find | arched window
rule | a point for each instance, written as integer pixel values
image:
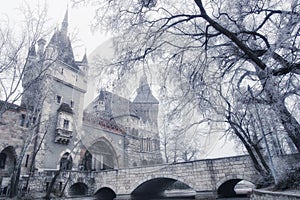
(87, 161)
(8, 158)
(66, 162)
(103, 156)
(144, 162)
(2, 160)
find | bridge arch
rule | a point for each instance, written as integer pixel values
(78, 189)
(155, 186)
(231, 177)
(105, 193)
(226, 186)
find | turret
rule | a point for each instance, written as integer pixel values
(60, 90)
(145, 105)
(61, 44)
(29, 84)
(41, 47)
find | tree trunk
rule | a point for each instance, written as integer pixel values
(289, 123)
(257, 165)
(50, 188)
(14, 182)
(261, 158)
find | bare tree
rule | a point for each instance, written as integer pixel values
(63, 167)
(21, 65)
(15, 44)
(215, 41)
(182, 140)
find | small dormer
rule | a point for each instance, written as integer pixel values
(64, 125)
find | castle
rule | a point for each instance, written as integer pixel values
(59, 133)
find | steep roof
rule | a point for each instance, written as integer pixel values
(61, 40)
(64, 47)
(64, 107)
(10, 106)
(144, 94)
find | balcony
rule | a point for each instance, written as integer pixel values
(63, 136)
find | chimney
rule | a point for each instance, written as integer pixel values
(41, 46)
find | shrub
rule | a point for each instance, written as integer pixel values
(290, 181)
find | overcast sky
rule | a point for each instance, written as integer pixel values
(79, 20)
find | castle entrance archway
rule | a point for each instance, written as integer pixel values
(101, 156)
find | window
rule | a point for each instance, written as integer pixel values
(144, 162)
(2, 160)
(146, 145)
(72, 104)
(33, 120)
(87, 161)
(26, 121)
(23, 117)
(66, 162)
(66, 124)
(27, 159)
(60, 186)
(58, 99)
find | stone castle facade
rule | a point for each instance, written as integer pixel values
(59, 133)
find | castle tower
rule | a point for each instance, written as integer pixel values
(61, 86)
(143, 144)
(33, 76)
(145, 105)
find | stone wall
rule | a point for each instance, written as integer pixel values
(13, 135)
(268, 195)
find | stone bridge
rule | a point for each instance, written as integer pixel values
(208, 178)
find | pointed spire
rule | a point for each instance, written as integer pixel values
(144, 93)
(143, 80)
(64, 24)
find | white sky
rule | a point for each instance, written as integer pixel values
(79, 20)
